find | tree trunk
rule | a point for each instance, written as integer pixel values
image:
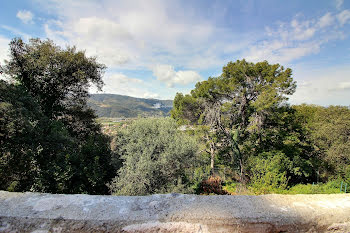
(212, 157)
(242, 176)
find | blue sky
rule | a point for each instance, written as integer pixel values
(154, 49)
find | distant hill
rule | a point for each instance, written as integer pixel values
(112, 105)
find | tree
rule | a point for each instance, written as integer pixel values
(328, 129)
(67, 152)
(58, 78)
(20, 127)
(237, 105)
(156, 158)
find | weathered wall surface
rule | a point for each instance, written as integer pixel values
(35, 212)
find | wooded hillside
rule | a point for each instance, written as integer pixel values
(112, 105)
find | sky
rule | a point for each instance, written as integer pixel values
(154, 49)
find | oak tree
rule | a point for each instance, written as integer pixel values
(66, 152)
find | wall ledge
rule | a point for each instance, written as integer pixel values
(40, 212)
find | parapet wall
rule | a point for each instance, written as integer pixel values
(39, 213)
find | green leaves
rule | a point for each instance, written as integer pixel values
(241, 100)
(155, 158)
(52, 75)
(269, 172)
(186, 110)
(50, 141)
(328, 130)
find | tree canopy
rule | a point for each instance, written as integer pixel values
(328, 131)
(244, 110)
(44, 107)
(155, 157)
(58, 78)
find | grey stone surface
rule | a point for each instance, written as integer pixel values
(37, 212)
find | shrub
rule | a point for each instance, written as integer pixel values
(156, 158)
(268, 172)
(321, 188)
(212, 185)
(231, 188)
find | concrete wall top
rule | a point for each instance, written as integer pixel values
(37, 212)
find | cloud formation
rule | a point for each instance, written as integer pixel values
(339, 4)
(16, 32)
(178, 42)
(299, 38)
(4, 49)
(25, 16)
(324, 86)
(124, 85)
(343, 17)
(342, 86)
(167, 74)
(326, 20)
(139, 34)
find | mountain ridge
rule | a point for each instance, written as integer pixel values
(115, 106)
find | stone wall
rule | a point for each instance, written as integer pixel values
(36, 212)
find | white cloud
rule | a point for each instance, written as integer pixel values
(326, 20)
(118, 83)
(123, 79)
(25, 16)
(324, 86)
(4, 49)
(92, 26)
(342, 86)
(98, 36)
(4, 52)
(300, 30)
(150, 95)
(299, 38)
(138, 33)
(16, 32)
(56, 36)
(135, 35)
(338, 4)
(280, 52)
(343, 17)
(167, 74)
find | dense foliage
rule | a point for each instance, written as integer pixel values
(234, 133)
(156, 158)
(50, 141)
(328, 132)
(250, 130)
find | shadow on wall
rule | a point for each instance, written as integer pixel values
(265, 213)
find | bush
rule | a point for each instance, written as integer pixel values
(326, 188)
(231, 188)
(268, 172)
(347, 175)
(156, 158)
(212, 185)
